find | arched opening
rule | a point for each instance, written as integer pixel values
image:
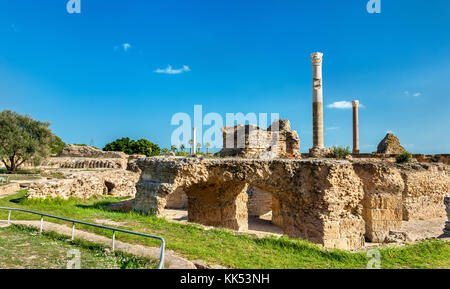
(263, 211)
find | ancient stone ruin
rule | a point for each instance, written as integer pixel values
(334, 203)
(390, 145)
(77, 157)
(251, 141)
(86, 172)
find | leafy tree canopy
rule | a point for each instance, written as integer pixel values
(56, 145)
(141, 146)
(23, 139)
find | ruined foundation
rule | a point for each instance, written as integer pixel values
(333, 203)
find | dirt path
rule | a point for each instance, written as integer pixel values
(172, 260)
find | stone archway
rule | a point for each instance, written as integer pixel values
(320, 201)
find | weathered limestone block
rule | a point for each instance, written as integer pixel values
(382, 203)
(9, 188)
(390, 145)
(86, 185)
(259, 201)
(85, 163)
(251, 141)
(177, 200)
(219, 204)
(425, 187)
(89, 152)
(277, 219)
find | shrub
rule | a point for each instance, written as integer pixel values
(340, 152)
(403, 158)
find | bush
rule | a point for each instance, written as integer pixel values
(403, 158)
(57, 145)
(340, 152)
(141, 147)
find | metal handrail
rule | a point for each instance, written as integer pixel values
(161, 256)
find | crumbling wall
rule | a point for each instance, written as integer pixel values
(177, 200)
(250, 141)
(329, 202)
(86, 185)
(259, 201)
(85, 163)
(382, 202)
(425, 188)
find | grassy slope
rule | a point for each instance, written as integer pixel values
(220, 246)
(23, 248)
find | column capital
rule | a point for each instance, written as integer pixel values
(316, 58)
(355, 103)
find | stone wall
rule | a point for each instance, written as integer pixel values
(259, 201)
(84, 185)
(425, 187)
(316, 200)
(9, 188)
(177, 200)
(85, 163)
(329, 202)
(89, 152)
(250, 141)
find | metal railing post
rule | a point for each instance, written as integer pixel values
(114, 240)
(9, 217)
(42, 224)
(73, 231)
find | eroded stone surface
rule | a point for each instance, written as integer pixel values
(329, 202)
(86, 184)
(390, 145)
(251, 141)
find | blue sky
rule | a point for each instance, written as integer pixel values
(102, 74)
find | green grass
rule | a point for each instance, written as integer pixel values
(221, 246)
(22, 247)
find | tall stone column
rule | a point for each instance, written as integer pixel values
(316, 59)
(355, 105)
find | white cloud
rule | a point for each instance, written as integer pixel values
(170, 70)
(126, 46)
(343, 105)
(414, 94)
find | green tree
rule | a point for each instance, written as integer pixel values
(56, 145)
(141, 146)
(207, 146)
(23, 139)
(173, 148)
(199, 146)
(119, 145)
(191, 145)
(182, 147)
